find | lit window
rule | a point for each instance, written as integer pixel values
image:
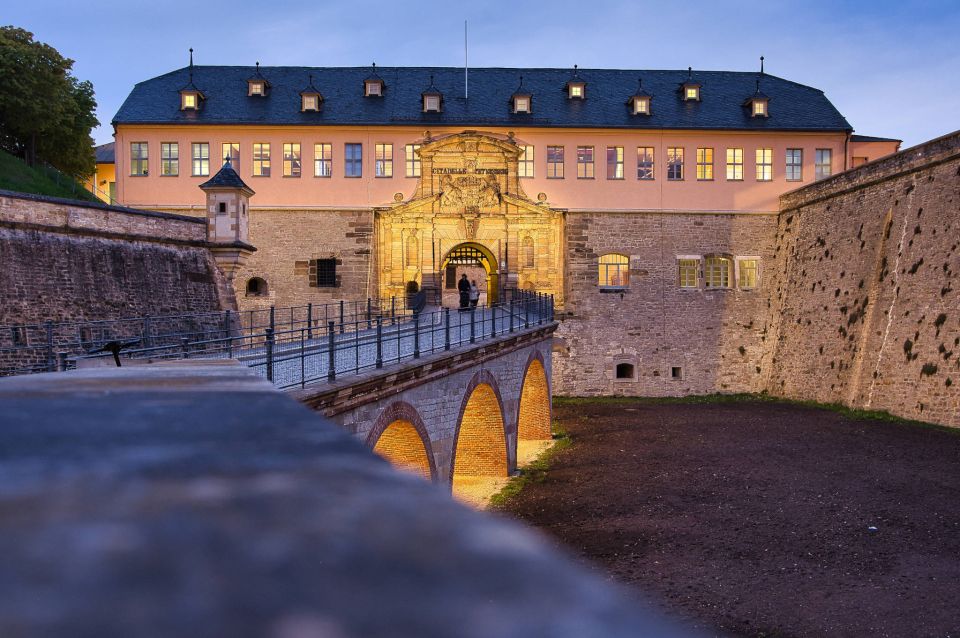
(675, 163)
(521, 104)
(824, 163)
(584, 162)
(794, 164)
(576, 90)
(412, 160)
(716, 272)
(170, 159)
(373, 88)
(554, 162)
(231, 151)
(735, 164)
(525, 162)
(291, 160)
(201, 159)
(644, 162)
(748, 272)
(614, 271)
(759, 108)
(353, 160)
(705, 163)
(261, 159)
(188, 101)
(528, 252)
(310, 102)
(688, 272)
(431, 103)
(764, 164)
(322, 159)
(256, 88)
(138, 158)
(693, 93)
(614, 162)
(383, 165)
(641, 106)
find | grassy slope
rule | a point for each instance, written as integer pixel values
(17, 176)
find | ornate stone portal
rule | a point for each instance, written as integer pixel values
(469, 196)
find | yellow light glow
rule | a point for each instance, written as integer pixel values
(693, 93)
(576, 90)
(759, 107)
(189, 101)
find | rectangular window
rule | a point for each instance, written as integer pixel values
(525, 164)
(688, 272)
(705, 163)
(412, 160)
(138, 158)
(326, 273)
(748, 272)
(261, 159)
(291, 160)
(824, 163)
(584, 162)
(644, 162)
(231, 150)
(614, 162)
(764, 164)
(614, 271)
(201, 159)
(716, 272)
(734, 164)
(383, 164)
(794, 164)
(675, 163)
(322, 159)
(170, 159)
(554, 162)
(353, 160)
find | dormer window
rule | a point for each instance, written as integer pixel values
(576, 90)
(521, 104)
(310, 102)
(759, 108)
(373, 88)
(189, 100)
(255, 87)
(758, 103)
(641, 106)
(691, 88)
(431, 103)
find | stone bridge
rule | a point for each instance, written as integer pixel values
(461, 418)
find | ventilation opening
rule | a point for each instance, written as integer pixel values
(222, 209)
(676, 372)
(257, 287)
(624, 370)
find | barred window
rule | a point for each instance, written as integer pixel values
(525, 164)
(554, 162)
(138, 158)
(749, 272)
(734, 164)
(528, 252)
(326, 272)
(322, 159)
(688, 273)
(823, 166)
(353, 160)
(614, 271)
(644, 162)
(412, 160)
(170, 159)
(716, 272)
(383, 164)
(794, 164)
(675, 163)
(231, 151)
(261, 159)
(614, 162)
(201, 159)
(584, 162)
(764, 164)
(291, 160)
(705, 164)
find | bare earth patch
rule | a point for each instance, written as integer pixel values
(762, 518)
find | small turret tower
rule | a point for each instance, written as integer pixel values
(228, 222)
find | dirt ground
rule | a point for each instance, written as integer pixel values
(762, 519)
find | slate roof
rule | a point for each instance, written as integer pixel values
(226, 177)
(104, 153)
(870, 138)
(792, 106)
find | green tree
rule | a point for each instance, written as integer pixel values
(46, 114)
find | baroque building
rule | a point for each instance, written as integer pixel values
(646, 202)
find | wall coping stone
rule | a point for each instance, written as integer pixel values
(79, 203)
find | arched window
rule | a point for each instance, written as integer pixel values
(624, 371)
(413, 251)
(614, 271)
(256, 287)
(528, 252)
(717, 271)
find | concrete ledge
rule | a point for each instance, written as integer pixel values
(193, 499)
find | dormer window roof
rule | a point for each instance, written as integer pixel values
(576, 87)
(639, 102)
(758, 103)
(191, 97)
(521, 101)
(373, 85)
(432, 99)
(691, 88)
(310, 97)
(257, 85)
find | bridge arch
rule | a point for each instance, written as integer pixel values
(480, 443)
(400, 436)
(533, 410)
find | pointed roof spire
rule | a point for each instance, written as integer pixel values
(227, 177)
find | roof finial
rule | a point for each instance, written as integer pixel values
(761, 65)
(639, 83)
(258, 67)
(191, 64)
(758, 85)
(689, 72)
(310, 78)
(574, 70)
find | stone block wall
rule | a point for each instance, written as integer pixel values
(714, 337)
(866, 295)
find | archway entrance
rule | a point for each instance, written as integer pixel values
(480, 453)
(477, 263)
(533, 422)
(400, 443)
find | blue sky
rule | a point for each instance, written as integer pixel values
(890, 67)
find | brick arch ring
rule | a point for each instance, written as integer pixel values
(536, 355)
(478, 379)
(403, 411)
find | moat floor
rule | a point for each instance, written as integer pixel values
(762, 519)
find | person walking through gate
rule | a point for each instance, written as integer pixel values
(464, 287)
(474, 294)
